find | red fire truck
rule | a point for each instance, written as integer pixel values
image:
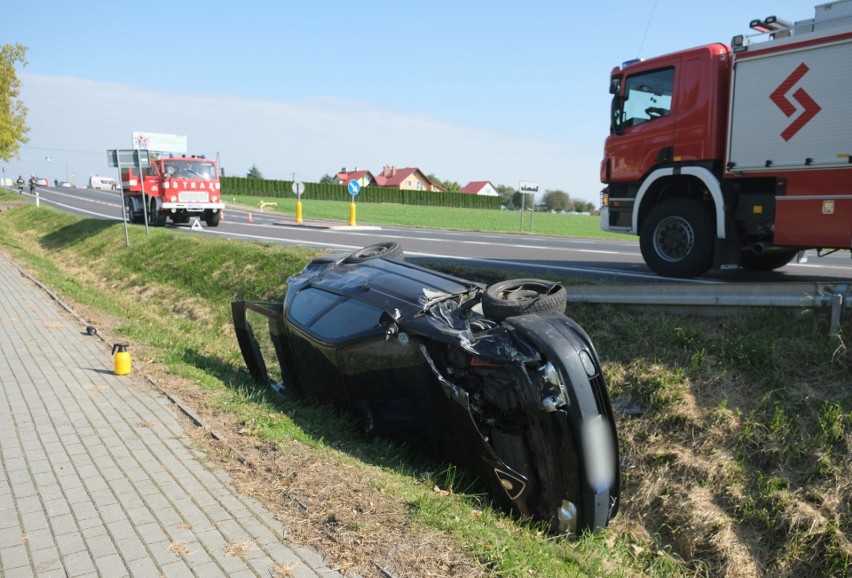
(173, 187)
(735, 156)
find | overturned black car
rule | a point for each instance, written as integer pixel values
(496, 380)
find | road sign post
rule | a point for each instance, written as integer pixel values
(298, 189)
(354, 188)
(129, 158)
(527, 188)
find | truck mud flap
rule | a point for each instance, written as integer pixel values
(254, 354)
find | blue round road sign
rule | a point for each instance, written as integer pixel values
(354, 187)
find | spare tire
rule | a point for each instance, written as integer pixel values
(388, 250)
(522, 296)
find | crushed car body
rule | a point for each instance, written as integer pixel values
(496, 380)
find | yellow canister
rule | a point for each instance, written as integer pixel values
(121, 358)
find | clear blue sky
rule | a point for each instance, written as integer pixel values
(467, 91)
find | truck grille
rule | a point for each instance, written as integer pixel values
(192, 197)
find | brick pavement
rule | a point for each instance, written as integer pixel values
(98, 476)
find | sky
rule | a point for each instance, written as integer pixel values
(463, 90)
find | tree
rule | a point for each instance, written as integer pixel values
(557, 201)
(451, 186)
(13, 113)
(254, 173)
(507, 196)
(584, 206)
(328, 180)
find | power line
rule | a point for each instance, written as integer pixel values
(647, 26)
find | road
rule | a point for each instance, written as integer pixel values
(530, 255)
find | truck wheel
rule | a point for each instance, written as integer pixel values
(677, 238)
(131, 215)
(156, 218)
(212, 219)
(765, 261)
(522, 296)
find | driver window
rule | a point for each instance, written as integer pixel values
(647, 96)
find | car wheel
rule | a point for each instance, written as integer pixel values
(765, 261)
(522, 296)
(389, 250)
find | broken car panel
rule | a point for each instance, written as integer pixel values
(496, 380)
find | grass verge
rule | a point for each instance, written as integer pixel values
(578, 226)
(738, 448)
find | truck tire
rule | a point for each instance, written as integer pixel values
(522, 296)
(156, 217)
(677, 238)
(212, 219)
(131, 215)
(765, 261)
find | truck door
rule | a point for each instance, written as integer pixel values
(643, 126)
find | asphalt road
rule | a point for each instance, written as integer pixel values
(530, 255)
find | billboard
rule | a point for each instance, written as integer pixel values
(160, 143)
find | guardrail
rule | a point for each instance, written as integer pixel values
(696, 297)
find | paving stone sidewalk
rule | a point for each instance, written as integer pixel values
(97, 474)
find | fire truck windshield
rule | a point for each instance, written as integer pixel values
(194, 169)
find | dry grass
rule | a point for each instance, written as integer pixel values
(178, 548)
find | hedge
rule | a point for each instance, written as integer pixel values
(324, 192)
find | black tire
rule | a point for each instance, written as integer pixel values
(212, 219)
(132, 216)
(388, 250)
(677, 238)
(156, 218)
(521, 297)
(765, 261)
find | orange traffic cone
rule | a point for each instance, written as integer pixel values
(221, 214)
(250, 220)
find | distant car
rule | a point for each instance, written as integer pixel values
(65, 184)
(41, 181)
(497, 379)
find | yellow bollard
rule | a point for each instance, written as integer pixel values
(352, 214)
(298, 211)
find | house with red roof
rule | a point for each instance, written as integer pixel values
(364, 178)
(480, 188)
(409, 178)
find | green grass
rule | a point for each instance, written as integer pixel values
(740, 459)
(579, 226)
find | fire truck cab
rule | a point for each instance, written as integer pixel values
(735, 156)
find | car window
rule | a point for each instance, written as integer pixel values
(347, 319)
(311, 303)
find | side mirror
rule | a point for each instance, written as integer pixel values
(614, 84)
